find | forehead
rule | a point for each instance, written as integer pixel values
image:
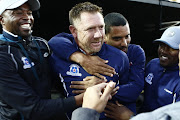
(120, 30)
(90, 19)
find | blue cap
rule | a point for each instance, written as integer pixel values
(171, 37)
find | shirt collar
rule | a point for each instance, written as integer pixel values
(11, 36)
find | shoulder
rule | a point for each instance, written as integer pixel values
(113, 51)
(135, 48)
(153, 63)
(61, 37)
(43, 44)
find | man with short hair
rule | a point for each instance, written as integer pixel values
(88, 38)
(117, 34)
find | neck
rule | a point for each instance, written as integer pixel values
(10, 33)
(11, 36)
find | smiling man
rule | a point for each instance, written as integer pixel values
(25, 77)
(87, 28)
(162, 81)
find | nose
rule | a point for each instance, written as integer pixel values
(26, 15)
(124, 42)
(98, 33)
(163, 48)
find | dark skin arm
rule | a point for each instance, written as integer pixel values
(117, 111)
(94, 65)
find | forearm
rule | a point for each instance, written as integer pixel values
(77, 57)
(79, 99)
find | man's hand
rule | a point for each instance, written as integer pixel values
(117, 111)
(94, 65)
(94, 98)
(89, 81)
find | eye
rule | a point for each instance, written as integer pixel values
(127, 37)
(117, 38)
(101, 27)
(18, 12)
(29, 12)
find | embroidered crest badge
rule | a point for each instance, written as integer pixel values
(26, 63)
(149, 78)
(74, 70)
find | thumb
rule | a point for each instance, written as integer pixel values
(117, 103)
(107, 92)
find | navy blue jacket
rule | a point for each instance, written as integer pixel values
(25, 81)
(162, 85)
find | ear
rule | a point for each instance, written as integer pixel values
(73, 30)
(1, 20)
(105, 38)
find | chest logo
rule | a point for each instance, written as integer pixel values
(74, 70)
(149, 78)
(26, 63)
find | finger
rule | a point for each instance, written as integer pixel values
(111, 106)
(117, 103)
(106, 69)
(100, 76)
(100, 86)
(108, 112)
(110, 74)
(77, 82)
(108, 90)
(101, 81)
(109, 116)
(87, 78)
(78, 91)
(102, 60)
(77, 86)
(115, 90)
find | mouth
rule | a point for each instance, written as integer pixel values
(96, 44)
(163, 58)
(26, 26)
(124, 49)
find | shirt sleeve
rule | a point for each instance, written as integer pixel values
(85, 114)
(136, 78)
(16, 93)
(62, 46)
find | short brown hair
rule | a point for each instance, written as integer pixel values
(76, 11)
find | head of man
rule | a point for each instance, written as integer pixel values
(16, 16)
(87, 26)
(168, 50)
(117, 31)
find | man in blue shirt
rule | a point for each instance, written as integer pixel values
(117, 35)
(89, 39)
(162, 81)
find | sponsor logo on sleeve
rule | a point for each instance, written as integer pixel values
(149, 78)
